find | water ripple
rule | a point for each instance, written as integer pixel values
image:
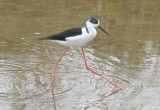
(91, 89)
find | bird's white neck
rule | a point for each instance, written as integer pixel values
(90, 28)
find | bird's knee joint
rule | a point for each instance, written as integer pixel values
(87, 67)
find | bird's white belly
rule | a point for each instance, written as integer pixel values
(80, 40)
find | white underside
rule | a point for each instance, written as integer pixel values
(80, 40)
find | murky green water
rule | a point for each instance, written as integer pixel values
(130, 57)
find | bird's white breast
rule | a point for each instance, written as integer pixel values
(82, 39)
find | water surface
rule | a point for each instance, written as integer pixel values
(130, 57)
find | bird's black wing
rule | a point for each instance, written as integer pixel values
(67, 33)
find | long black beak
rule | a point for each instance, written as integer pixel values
(103, 30)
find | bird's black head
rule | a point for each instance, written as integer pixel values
(93, 20)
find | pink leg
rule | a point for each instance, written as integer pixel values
(96, 72)
(56, 67)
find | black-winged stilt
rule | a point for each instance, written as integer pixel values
(78, 36)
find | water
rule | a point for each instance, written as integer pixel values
(130, 57)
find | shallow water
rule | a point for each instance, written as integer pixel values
(130, 57)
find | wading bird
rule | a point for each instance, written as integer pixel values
(78, 36)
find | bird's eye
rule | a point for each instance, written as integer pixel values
(96, 22)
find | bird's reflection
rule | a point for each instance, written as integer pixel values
(54, 101)
(102, 99)
(92, 104)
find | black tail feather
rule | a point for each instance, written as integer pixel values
(53, 37)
